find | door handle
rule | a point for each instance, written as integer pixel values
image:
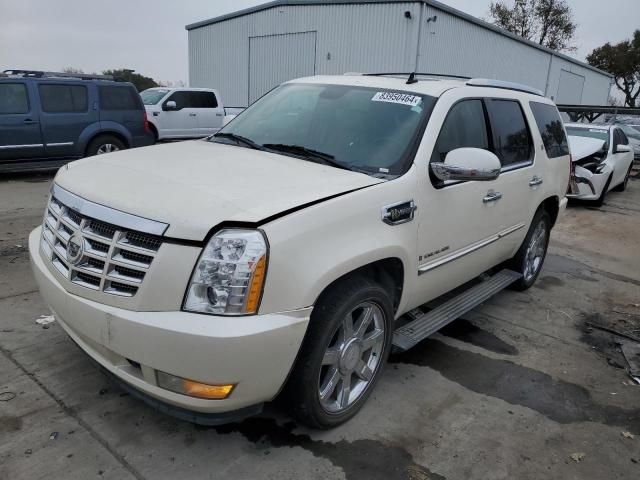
(192, 114)
(535, 181)
(218, 114)
(492, 197)
(29, 121)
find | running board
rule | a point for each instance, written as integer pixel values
(423, 324)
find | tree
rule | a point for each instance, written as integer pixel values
(621, 60)
(547, 22)
(72, 70)
(140, 81)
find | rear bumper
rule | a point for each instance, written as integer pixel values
(255, 353)
(142, 140)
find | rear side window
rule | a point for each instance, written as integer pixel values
(551, 129)
(204, 100)
(63, 98)
(464, 127)
(13, 98)
(512, 141)
(119, 98)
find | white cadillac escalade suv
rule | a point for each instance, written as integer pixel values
(291, 251)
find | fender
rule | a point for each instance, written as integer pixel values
(85, 137)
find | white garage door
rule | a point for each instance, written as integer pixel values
(570, 88)
(275, 59)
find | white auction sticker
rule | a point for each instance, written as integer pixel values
(400, 98)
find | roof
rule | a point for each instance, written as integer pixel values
(431, 3)
(433, 87)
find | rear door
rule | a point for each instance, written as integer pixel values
(209, 113)
(183, 120)
(65, 114)
(20, 136)
(522, 176)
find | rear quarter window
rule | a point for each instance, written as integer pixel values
(551, 129)
(13, 98)
(63, 98)
(119, 98)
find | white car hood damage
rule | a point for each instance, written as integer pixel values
(194, 186)
(582, 147)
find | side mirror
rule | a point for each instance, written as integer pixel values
(623, 148)
(170, 105)
(468, 164)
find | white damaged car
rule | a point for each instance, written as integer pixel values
(602, 159)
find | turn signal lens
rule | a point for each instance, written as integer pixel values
(192, 388)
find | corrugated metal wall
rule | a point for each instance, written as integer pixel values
(375, 37)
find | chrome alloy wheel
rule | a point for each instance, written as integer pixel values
(352, 358)
(535, 252)
(107, 148)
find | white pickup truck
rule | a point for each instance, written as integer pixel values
(294, 249)
(178, 113)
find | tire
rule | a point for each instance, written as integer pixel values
(530, 257)
(104, 144)
(623, 186)
(600, 201)
(315, 391)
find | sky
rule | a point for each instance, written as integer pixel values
(150, 36)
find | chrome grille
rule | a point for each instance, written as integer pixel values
(114, 260)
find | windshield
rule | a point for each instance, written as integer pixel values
(153, 95)
(363, 129)
(599, 133)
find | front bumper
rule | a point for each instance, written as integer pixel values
(255, 352)
(590, 185)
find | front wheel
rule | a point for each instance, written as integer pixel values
(530, 257)
(343, 353)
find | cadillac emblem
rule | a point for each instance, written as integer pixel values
(75, 249)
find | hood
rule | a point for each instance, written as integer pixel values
(193, 186)
(582, 147)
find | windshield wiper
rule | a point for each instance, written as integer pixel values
(309, 153)
(239, 139)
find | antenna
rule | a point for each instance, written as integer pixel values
(412, 79)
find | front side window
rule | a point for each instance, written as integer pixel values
(13, 98)
(551, 129)
(512, 141)
(63, 98)
(119, 98)
(464, 127)
(359, 128)
(182, 99)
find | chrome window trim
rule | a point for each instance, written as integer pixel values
(109, 215)
(516, 166)
(427, 267)
(32, 145)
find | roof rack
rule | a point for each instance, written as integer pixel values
(412, 75)
(43, 74)
(487, 82)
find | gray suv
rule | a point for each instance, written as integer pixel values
(48, 119)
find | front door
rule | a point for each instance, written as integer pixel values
(183, 120)
(20, 136)
(461, 225)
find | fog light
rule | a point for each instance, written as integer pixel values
(193, 389)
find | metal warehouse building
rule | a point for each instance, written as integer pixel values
(247, 53)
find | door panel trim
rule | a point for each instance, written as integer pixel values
(427, 267)
(60, 144)
(32, 145)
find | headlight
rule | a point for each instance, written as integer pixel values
(229, 275)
